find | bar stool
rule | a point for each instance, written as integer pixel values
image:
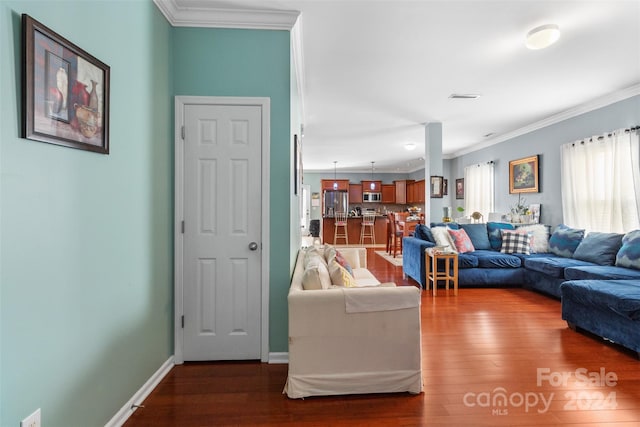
(340, 220)
(367, 229)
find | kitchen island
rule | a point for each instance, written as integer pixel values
(353, 230)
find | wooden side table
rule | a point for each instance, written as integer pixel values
(450, 273)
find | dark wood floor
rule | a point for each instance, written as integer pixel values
(482, 344)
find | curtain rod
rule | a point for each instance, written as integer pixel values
(600, 138)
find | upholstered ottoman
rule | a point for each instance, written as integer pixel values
(608, 308)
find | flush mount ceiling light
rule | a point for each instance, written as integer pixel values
(542, 36)
(409, 146)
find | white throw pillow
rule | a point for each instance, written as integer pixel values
(540, 235)
(442, 238)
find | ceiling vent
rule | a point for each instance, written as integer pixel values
(464, 95)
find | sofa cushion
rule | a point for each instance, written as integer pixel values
(493, 259)
(514, 241)
(564, 240)
(600, 272)
(423, 232)
(467, 260)
(619, 296)
(629, 253)
(461, 240)
(494, 234)
(599, 248)
(478, 235)
(539, 237)
(553, 266)
(315, 275)
(442, 237)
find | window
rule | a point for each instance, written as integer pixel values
(601, 182)
(479, 191)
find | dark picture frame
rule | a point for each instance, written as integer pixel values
(523, 175)
(460, 188)
(445, 187)
(297, 165)
(65, 91)
(436, 187)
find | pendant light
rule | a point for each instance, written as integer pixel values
(335, 181)
(373, 184)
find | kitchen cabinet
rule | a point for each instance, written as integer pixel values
(327, 184)
(367, 188)
(355, 193)
(419, 191)
(388, 193)
(411, 198)
(401, 191)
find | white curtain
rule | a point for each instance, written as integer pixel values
(601, 182)
(479, 189)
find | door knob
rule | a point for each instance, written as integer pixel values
(253, 246)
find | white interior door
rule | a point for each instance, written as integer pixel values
(222, 232)
(305, 210)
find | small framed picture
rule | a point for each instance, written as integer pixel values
(460, 188)
(523, 175)
(437, 183)
(65, 91)
(445, 187)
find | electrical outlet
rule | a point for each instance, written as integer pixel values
(32, 420)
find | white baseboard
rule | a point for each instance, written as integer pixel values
(275, 358)
(125, 412)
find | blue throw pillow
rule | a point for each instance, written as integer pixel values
(629, 254)
(423, 232)
(494, 234)
(599, 248)
(565, 240)
(478, 235)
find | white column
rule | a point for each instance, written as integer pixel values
(432, 166)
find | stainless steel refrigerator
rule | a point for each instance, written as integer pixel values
(335, 201)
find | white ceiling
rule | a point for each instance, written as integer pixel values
(376, 71)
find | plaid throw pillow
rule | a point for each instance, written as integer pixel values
(515, 243)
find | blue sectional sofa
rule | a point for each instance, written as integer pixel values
(597, 276)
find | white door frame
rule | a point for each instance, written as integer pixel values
(180, 102)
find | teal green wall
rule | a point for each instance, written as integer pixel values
(86, 239)
(253, 63)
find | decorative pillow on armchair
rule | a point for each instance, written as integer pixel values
(629, 254)
(565, 240)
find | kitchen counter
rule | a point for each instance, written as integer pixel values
(354, 224)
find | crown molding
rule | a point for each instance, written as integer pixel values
(594, 104)
(211, 17)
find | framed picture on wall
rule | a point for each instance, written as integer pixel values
(436, 187)
(65, 91)
(523, 175)
(445, 187)
(297, 165)
(460, 188)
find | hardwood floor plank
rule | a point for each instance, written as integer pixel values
(475, 345)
